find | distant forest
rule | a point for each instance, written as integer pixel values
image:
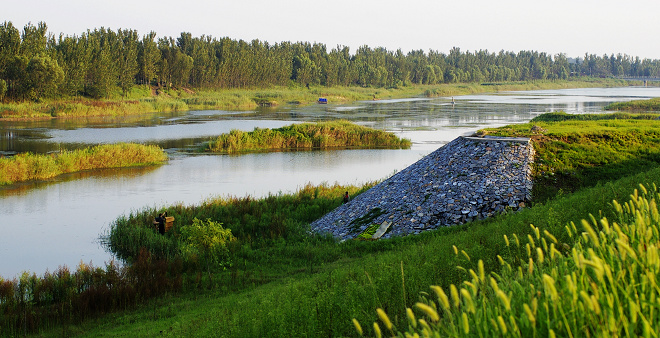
(35, 64)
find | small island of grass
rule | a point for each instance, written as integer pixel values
(321, 135)
(28, 166)
(636, 105)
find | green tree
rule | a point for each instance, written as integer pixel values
(3, 89)
(127, 63)
(148, 58)
(43, 77)
(208, 240)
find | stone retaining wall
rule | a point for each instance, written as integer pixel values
(468, 178)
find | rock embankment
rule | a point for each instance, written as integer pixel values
(467, 179)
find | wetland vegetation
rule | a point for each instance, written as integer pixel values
(312, 285)
(321, 135)
(28, 166)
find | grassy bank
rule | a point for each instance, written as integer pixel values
(28, 166)
(575, 151)
(321, 135)
(316, 288)
(143, 99)
(637, 105)
(282, 282)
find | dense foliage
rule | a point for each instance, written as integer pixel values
(28, 166)
(101, 62)
(321, 135)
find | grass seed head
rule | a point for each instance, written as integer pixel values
(383, 317)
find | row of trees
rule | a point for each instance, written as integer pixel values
(35, 64)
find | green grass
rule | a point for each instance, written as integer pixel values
(604, 285)
(28, 166)
(321, 135)
(637, 105)
(574, 151)
(284, 283)
(316, 288)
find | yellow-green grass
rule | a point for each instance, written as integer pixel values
(637, 105)
(321, 135)
(28, 166)
(144, 100)
(606, 284)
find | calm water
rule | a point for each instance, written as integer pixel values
(58, 222)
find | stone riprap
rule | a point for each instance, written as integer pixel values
(467, 179)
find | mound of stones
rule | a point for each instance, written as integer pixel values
(469, 178)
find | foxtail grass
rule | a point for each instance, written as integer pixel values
(606, 284)
(29, 166)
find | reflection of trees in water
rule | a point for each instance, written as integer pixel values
(106, 174)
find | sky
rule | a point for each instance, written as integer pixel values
(571, 27)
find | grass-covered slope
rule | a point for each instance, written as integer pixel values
(575, 151)
(336, 283)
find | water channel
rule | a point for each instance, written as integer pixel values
(58, 222)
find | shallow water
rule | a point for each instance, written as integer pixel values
(58, 222)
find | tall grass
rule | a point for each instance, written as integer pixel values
(256, 223)
(321, 135)
(62, 298)
(636, 105)
(606, 284)
(28, 166)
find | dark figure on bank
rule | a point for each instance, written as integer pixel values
(161, 222)
(346, 198)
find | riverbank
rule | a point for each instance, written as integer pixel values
(28, 166)
(321, 135)
(143, 99)
(294, 276)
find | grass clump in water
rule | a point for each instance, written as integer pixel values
(29, 166)
(322, 135)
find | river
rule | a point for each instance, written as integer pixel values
(58, 222)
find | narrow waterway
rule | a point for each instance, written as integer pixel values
(58, 222)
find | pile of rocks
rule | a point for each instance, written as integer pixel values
(468, 178)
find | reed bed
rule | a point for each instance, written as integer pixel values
(604, 285)
(636, 105)
(29, 166)
(256, 223)
(66, 298)
(321, 135)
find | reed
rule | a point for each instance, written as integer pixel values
(64, 298)
(321, 135)
(636, 105)
(28, 166)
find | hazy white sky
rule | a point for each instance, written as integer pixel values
(573, 27)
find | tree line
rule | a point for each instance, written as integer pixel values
(35, 64)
